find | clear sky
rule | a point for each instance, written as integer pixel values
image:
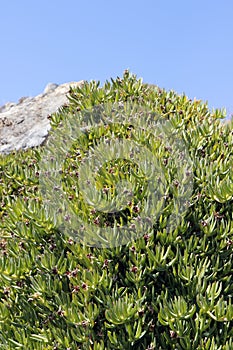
(182, 45)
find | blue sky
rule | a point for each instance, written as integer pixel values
(182, 45)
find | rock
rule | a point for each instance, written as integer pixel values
(7, 106)
(25, 124)
(50, 87)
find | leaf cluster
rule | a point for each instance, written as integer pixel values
(164, 290)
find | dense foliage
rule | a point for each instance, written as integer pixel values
(164, 290)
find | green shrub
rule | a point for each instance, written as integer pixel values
(167, 289)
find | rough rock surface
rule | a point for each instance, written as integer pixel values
(25, 124)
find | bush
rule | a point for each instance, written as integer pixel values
(162, 289)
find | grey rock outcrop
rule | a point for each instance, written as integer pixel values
(25, 124)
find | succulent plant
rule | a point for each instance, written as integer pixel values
(162, 289)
